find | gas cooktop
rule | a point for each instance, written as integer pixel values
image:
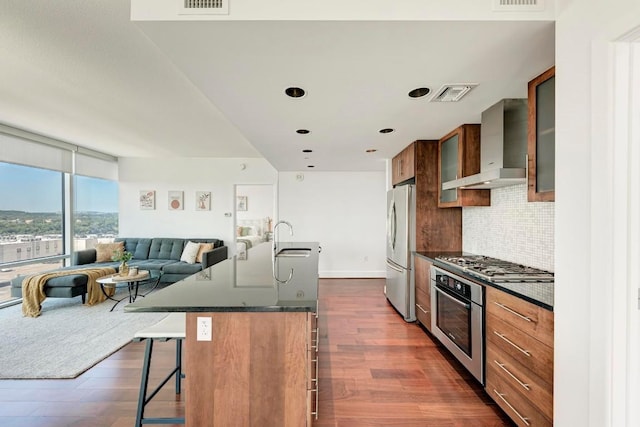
(496, 270)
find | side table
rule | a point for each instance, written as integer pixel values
(132, 283)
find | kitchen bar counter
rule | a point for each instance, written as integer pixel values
(256, 363)
(540, 294)
(247, 285)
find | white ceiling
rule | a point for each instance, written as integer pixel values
(81, 71)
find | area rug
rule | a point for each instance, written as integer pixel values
(67, 339)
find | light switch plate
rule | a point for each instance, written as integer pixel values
(204, 329)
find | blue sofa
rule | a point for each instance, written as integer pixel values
(162, 254)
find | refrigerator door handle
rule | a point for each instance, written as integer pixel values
(393, 266)
(393, 225)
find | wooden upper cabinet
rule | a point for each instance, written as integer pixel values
(459, 156)
(542, 137)
(403, 165)
(438, 230)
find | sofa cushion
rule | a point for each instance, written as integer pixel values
(164, 248)
(181, 268)
(190, 252)
(104, 251)
(151, 264)
(138, 247)
(204, 247)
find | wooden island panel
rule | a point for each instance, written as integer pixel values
(252, 373)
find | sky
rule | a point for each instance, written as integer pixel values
(29, 189)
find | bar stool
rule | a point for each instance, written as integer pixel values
(171, 327)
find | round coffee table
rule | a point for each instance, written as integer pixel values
(132, 283)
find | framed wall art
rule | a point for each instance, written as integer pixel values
(147, 199)
(176, 200)
(241, 203)
(203, 200)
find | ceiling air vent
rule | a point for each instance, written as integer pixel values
(452, 92)
(518, 5)
(203, 7)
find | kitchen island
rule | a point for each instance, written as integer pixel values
(257, 363)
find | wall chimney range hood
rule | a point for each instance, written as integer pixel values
(503, 147)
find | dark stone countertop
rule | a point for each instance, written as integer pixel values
(540, 294)
(237, 285)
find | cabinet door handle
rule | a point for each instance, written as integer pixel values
(517, 347)
(501, 396)
(504, 307)
(523, 385)
(423, 310)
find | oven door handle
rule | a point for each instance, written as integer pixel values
(457, 301)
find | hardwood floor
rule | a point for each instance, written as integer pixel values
(375, 370)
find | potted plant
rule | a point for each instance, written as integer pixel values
(123, 257)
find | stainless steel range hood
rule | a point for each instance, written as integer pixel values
(503, 148)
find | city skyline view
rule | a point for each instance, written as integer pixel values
(31, 189)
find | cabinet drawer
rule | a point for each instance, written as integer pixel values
(422, 274)
(535, 321)
(531, 387)
(526, 350)
(521, 411)
(423, 308)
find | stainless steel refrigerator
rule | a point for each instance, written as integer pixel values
(401, 232)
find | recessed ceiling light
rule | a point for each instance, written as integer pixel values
(371, 150)
(295, 92)
(307, 151)
(303, 131)
(311, 166)
(419, 92)
(386, 130)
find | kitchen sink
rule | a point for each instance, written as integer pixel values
(294, 252)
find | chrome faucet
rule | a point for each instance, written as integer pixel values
(275, 250)
(275, 233)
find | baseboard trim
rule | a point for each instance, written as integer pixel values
(353, 274)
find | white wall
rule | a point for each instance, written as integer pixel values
(189, 175)
(589, 386)
(260, 201)
(345, 212)
(511, 228)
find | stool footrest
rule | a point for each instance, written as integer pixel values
(163, 420)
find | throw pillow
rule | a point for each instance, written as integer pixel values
(104, 251)
(190, 252)
(204, 247)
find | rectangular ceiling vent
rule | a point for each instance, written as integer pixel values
(203, 7)
(518, 5)
(452, 92)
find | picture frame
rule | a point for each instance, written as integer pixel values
(176, 200)
(241, 203)
(147, 200)
(203, 200)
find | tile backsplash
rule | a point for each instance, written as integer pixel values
(511, 228)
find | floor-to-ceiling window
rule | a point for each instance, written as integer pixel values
(95, 211)
(54, 200)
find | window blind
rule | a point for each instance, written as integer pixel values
(30, 149)
(96, 167)
(14, 149)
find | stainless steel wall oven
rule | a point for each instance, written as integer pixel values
(457, 318)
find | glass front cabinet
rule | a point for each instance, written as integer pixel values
(542, 138)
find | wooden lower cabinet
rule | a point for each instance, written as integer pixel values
(519, 358)
(423, 290)
(259, 369)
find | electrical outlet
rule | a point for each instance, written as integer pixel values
(204, 329)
